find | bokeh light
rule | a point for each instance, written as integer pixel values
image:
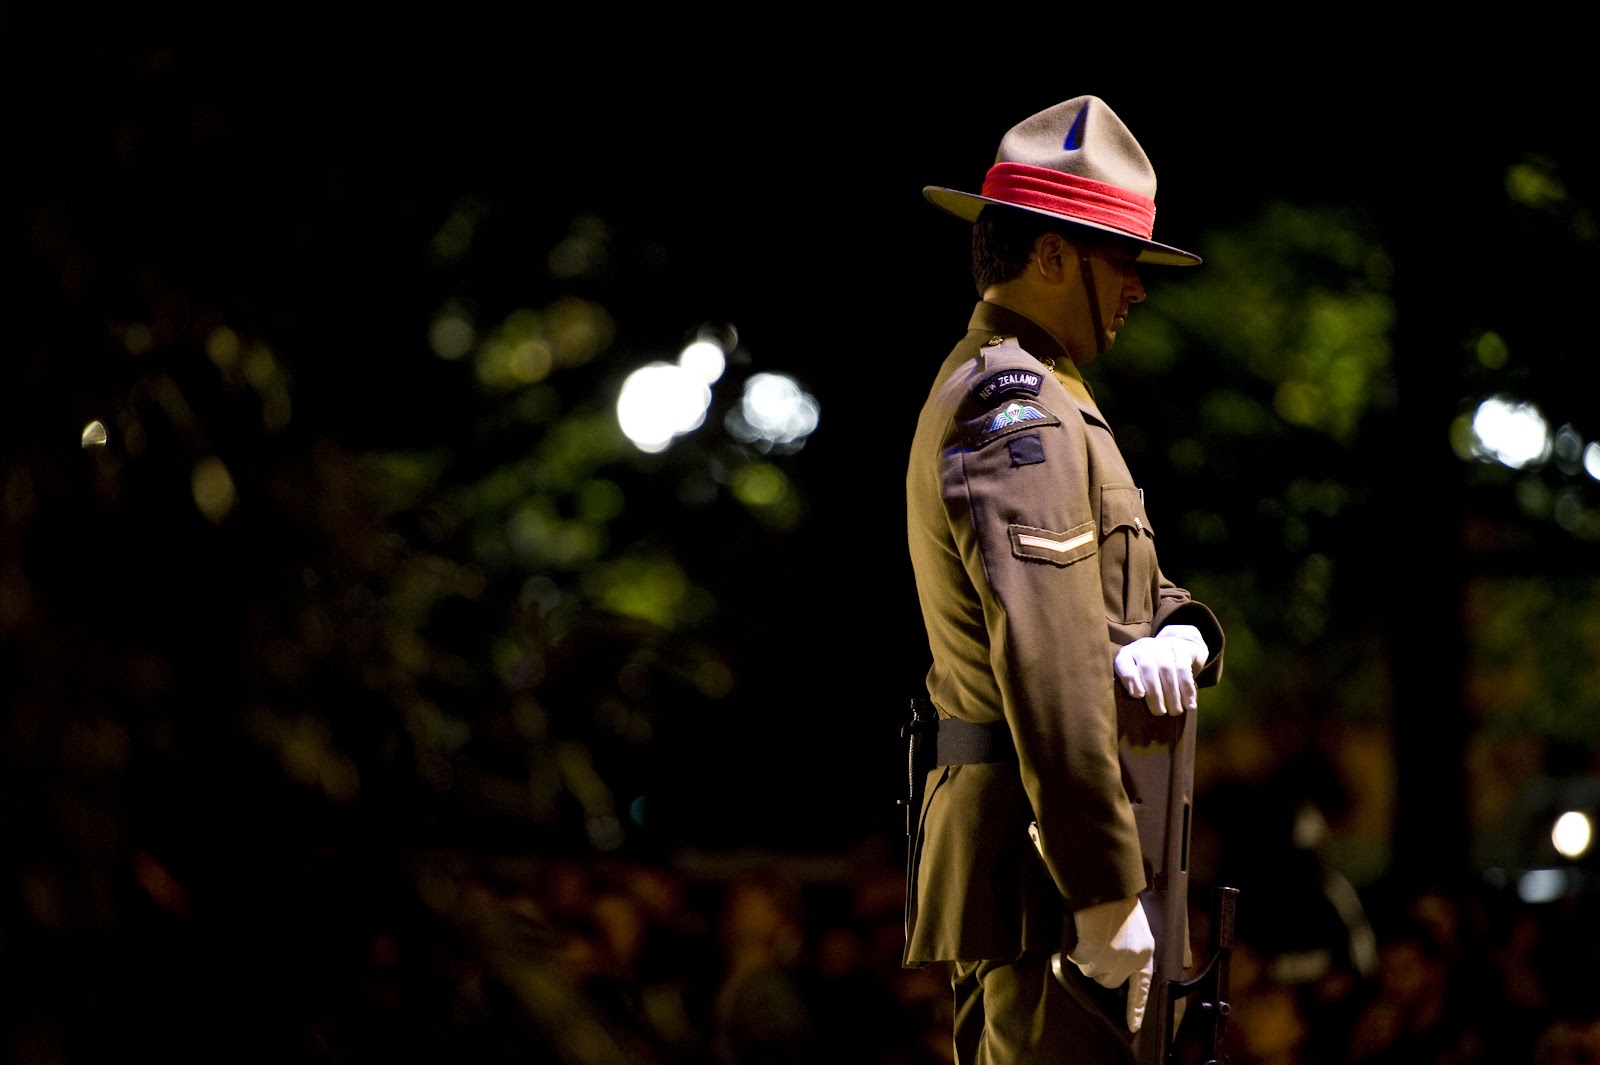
(1541, 885)
(1510, 431)
(452, 335)
(663, 400)
(660, 401)
(774, 413)
(1572, 834)
(704, 359)
(213, 489)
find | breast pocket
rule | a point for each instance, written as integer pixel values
(1127, 555)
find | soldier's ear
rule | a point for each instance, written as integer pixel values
(1052, 253)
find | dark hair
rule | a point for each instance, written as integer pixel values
(1002, 242)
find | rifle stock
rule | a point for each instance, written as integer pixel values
(1158, 756)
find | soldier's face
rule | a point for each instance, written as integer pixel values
(1118, 286)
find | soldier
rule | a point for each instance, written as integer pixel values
(1048, 618)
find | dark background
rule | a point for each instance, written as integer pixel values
(284, 171)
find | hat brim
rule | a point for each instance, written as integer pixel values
(967, 206)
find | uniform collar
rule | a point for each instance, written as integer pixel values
(1036, 340)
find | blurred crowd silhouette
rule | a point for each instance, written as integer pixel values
(758, 966)
(761, 968)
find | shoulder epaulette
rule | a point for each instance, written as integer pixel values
(1000, 383)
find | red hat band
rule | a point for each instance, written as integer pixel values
(1074, 197)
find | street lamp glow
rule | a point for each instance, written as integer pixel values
(1572, 834)
(1511, 432)
(775, 410)
(704, 359)
(660, 401)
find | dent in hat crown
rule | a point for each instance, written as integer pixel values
(1084, 137)
(1079, 162)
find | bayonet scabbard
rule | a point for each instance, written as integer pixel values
(917, 732)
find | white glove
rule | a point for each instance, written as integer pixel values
(1115, 946)
(1160, 669)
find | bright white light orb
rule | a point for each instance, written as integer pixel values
(660, 401)
(776, 409)
(1572, 834)
(704, 359)
(1511, 432)
(1591, 460)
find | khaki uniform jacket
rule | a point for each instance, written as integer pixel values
(1034, 561)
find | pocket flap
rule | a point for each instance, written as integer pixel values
(1122, 507)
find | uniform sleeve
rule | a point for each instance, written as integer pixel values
(1015, 487)
(1174, 607)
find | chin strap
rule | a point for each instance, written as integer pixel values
(1094, 303)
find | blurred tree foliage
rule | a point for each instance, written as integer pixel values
(1271, 359)
(335, 607)
(1282, 438)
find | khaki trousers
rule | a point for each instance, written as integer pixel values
(1018, 1013)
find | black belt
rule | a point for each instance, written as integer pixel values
(957, 742)
(933, 741)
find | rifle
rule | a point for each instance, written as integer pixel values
(1158, 756)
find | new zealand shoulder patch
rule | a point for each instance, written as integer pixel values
(1006, 383)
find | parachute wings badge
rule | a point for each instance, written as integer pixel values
(1013, 414)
